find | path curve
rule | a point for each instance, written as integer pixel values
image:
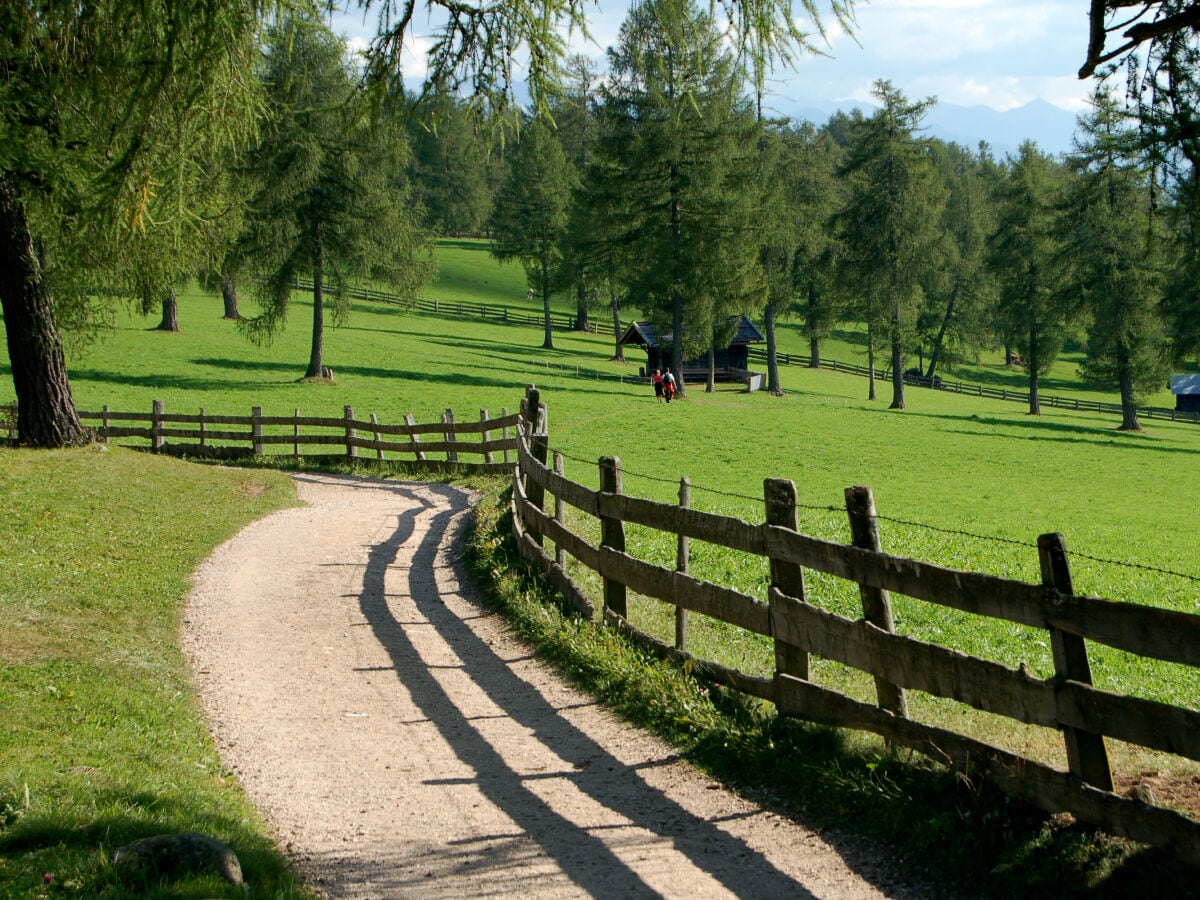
(401, 742)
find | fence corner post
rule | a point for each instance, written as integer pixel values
(779, 495)
(256, 429)
(682, 565)
(612, 534)
(448, 435)
(351, 435)
(1086, 755)
(156, 426)
(876, 602)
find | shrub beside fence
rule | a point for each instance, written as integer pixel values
(1067, 701)
(488, 445)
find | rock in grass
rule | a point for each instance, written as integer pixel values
(179, 854)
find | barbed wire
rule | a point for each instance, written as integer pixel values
(958, 532)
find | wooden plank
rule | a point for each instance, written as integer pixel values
(119, 416)
(914, 664)
(986, 685)
(724, 531)
(538, 522)
(703, 597)
(1048, 789)
(753, 685)
(557, 576)
(1086, 753)
(1143, 630)
(779, 498)
(571, 492)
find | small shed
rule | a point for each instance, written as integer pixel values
(1186, 389)
(658, 350)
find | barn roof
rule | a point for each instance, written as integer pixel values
(643, 333)
(1185, 384)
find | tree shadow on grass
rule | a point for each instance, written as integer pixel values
(1051, 432)
(78, 847)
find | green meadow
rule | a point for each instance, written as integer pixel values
(960, 481)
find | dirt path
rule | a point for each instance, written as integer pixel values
(402, 743)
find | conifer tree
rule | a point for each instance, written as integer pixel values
(889, 226)
(1024, 254)
(332, 203)
(1114, 242)
(676, 163)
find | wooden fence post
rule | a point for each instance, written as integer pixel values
(351, 450)
(560, 513)
(414, 437)
(539, 446)
(486, 436)
(682, 563)
(12, 422)
(533, 400)
(1086, 755)
(256, 429)
(876, 602)
(203, 435)
(156, 425)
(787, 577)
(448, 433)
(296, 432)
(378, 447)
(612, 534)
(504, 413)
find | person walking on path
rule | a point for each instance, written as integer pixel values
(669, 386)
(658, 385)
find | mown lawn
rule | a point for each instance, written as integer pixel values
(961, 481)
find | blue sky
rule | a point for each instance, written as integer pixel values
(965, 52)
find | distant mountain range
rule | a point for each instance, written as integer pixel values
(1049, 126)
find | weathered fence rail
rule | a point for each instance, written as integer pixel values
(1067, 701)
(486, 445)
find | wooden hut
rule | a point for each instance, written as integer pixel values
(728, 361)
(1186, 389)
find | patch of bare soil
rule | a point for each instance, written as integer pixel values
(401, 742)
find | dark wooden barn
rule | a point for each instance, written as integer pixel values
(1186, 389)
(736, 356)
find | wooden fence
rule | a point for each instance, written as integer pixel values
(979, 390)
(488, 445)
(1084, 714)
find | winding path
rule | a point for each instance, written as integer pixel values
(401, 742)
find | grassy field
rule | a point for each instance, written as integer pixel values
(961, 481)
(102, 741)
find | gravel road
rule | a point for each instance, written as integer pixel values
(401, 742)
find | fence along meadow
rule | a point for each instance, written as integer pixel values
(458, 445)
(1067, 701)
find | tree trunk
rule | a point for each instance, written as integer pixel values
(677, 293)
(773, 386)
(230, 298)
(1129, 416)
(1035, 403)
(316, 358)
(46, 415)
(814, 352)
(615, 305)
(941, 335)
(581, 304)
(897, 363)
(170, 312)
(870, 361)
(711, 385)
(548, 343)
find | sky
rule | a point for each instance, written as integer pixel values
(997, 53)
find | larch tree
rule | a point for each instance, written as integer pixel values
(677, 164)
(889, 227)
(1115, 247)
(1025, 256)
(332, 203)
(532, 211)
(91, 105)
